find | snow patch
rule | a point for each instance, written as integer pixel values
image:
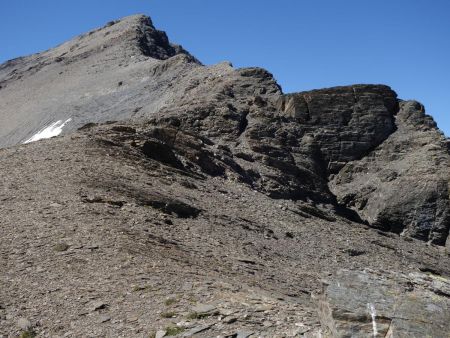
(52, 130)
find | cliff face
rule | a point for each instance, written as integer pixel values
(195, 158)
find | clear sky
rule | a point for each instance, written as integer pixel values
(305, 44)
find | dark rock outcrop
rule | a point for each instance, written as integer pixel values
(402, 186)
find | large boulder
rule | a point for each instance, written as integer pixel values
(370, 304)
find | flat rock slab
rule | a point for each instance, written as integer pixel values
(204, 308)
(196, 330)
(368, 304)
(243, 334)
(160, 334)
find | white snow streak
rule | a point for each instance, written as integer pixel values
(373, 314)
(52, 130)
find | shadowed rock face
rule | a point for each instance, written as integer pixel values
(402, 186)
(193, 140)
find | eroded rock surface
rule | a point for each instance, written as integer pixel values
(385, 304)
(402, 186)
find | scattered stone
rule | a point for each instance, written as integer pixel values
(197, 329)
(229, 320)
(160, 334)
(227, 312)
(354, 252)
(243, 334)
(60, 247)
(124, 129)
(98, 305)
(204, 308)
(161, 152)
(132, 319)
(289, 234)
(104, 318)
(24, 324)
(170, 206)
(247, 260)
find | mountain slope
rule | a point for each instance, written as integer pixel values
(217, 205)
(97, 76)
(98, 238)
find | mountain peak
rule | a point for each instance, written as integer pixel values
(130, 35)
(139, 30)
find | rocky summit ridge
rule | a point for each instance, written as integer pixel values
(203, 201)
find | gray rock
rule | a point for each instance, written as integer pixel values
(358, 141)
(24, 324)
(196, 330)
(243, 166)
(98, 305)
(363, 304)
(243, 334)
(160, 334)
(204, 308)
(131, 42)
(230, 320)
(104, 319)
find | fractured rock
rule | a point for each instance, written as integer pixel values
(366, 304)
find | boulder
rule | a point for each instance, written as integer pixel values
(389, 304)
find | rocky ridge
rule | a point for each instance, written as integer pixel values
(203, 158)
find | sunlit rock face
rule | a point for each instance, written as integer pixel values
(109, 73)
(388, 304)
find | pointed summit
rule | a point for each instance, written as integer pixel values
(138, 30)
(107, 73)
(130, 36)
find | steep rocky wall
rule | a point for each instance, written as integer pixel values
(402, 186)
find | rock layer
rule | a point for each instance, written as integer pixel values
(402, 186)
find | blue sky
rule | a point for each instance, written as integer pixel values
(305, 44)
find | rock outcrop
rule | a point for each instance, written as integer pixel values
(370, 304)
(402, 186)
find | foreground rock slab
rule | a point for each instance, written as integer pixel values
(370, 304)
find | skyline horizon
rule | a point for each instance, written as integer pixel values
(309, 71)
